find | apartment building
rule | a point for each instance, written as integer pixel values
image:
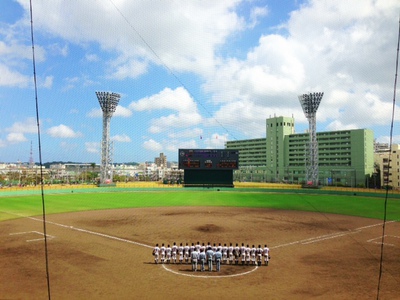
(346, 157)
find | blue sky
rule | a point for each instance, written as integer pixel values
(191, 74)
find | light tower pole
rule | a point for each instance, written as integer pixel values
(108, 103)
(309, 103)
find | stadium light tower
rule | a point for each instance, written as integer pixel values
(108, 103)
(309, 103)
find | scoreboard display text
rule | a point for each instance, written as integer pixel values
(206, 159)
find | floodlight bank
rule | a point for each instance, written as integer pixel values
(310, 103)
(108, 102)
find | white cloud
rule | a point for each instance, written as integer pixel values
(217, 141)
(16, 137)
(174, 145)
(12, 78)
(12, 50)
(95, 113)
(63, 131)
(92, 147)
(211, 22)
(152, 145)
(345, 50)
(127, 68)
(179, 100)
(338, 125)
(121, 138)
(122, 112)
(27, 126)
(119, 112)
(255, 14)
(244, 116)
(18, 130)
(16, 56)
(48, 82)
(187, 133)
(91, 57)
(57, 49)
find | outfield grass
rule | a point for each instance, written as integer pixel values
(30, 205)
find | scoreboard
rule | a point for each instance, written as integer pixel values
(208, 159)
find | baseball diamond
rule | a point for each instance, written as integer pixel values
(107, 254)
(314, 255)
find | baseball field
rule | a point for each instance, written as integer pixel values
(99, 244)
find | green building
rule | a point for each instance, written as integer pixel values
(252, 159)
(345, 157)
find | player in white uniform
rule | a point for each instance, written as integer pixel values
(174, 251)
(203, 247)
(248, 255)
(236, 253)
(168, 251)
(156, 253)
(230, 253)
(224, 251)
(162, 251)
(214, 249)
(266, 255)
(198, 247)
(186, 253)
(259, 253)
(180, 252)
(253, 251)
(243, 254)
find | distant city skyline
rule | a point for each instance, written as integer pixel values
(191, 74)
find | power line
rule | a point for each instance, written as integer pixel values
(169, 69)
(390, 155)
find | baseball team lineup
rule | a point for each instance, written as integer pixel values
(202, 254)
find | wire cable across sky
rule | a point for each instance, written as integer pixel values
(169, 69)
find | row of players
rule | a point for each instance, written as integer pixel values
(229, 254)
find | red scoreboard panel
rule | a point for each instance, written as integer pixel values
(208, 159)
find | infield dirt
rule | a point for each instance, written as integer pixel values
(107, 255)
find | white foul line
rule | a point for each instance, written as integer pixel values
(94, 233)
(328, 236)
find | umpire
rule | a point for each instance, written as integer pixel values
(202, 259)
(194, 256)
(210, 254)
(218, 257)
